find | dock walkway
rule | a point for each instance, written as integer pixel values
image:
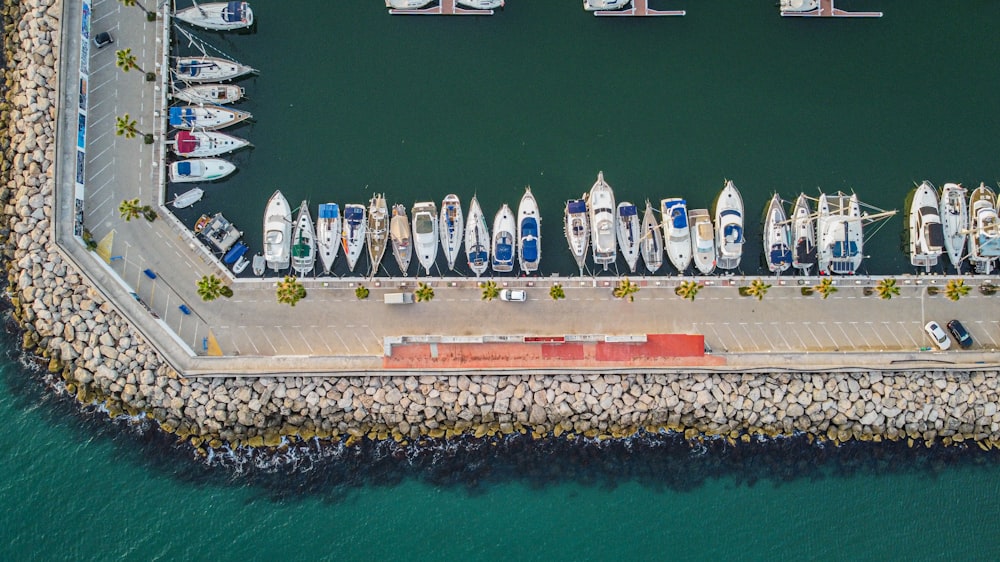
(826, 9)
(443, 8)
(640, 8)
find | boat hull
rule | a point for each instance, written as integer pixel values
(200, 170)
(651, 243)
(477, 239)
(188, 198)
(218, 16)
(378, 230)
(277, 232)
(926, 232)
(676, 233)
(777, 238)
(984, 238)
(205, 117)
(209, 69)
(702, 240)
(354, 230)
(402, 241)
(503, 240)
(205, 144)
(803, 235)
(576, 227)
(529, 234)
(729, 227)
(216, 94)
(603, 238)
(452, 225)
(328, 229)
(425, 234)
(954, 222)
(628, 229)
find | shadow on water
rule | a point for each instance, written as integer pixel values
(332, 472)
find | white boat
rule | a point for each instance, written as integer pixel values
(954, 222)
(406, 4)
(205, 117)
(926, 231)
(803, 235)
(702, 240)
(328, 231)
(240, 265)
(798, 6)
(378, 230)
(303, 242)
(218, 94)
(629, 231)
(277, 232)
(200, 169)
(529, 234)
(595, 5)
(481, 4)
(839, 234)
(399, 233)
(676, 233)
(477, 239)
(504, 226)
(188, 198)
(729, 226)
(209, 69)
(354, 229)
(203, 144)
(984, 238)
(777, 237)
(601, 204)
(577, 229)
(425, 233)
(218, 16)
(452, 225)
(651, 242)
(259, 264)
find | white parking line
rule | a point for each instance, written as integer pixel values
(778, 330)
(793, 327)
(871, 325)
(311, 351)
(906, 330)
(263, 332)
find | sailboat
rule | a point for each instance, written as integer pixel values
(954, 222)
(277, 232)
(926, 232)
(210, 69)
(378, 230)
(777, 252)
(354, 229)
(425, 233)
(202, 144)
(984, 239)
(217, 16)
(220, 94)
(702, 240)
(399, 233)
(477, 239)
(601, 203)
(529, 235)
(628, 228)
(451, 224)
(328, 231)
(205, 117)
(729, 226)
(503, 240)
(839, 237)
(577, 229)
(803, 235)
(651, 242)
(303, 242)
(676, 233)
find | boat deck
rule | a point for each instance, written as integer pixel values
(443, 8)
(640, 8)
(826, 9)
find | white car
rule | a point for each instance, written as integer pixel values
(940, 338)
(513, 295)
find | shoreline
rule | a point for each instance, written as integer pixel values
(103, 360)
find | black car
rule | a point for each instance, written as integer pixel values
(960, 334)
(103, 39)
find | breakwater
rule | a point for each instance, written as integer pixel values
(103, 360)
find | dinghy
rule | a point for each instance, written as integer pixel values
(188, 198)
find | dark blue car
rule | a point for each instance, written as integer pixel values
(960, 334)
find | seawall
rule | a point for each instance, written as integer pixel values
(103, 360)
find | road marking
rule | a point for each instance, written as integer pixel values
(250, 340)
(311, 351)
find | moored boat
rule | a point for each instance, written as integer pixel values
(601, 204)
(303, 242)
(328, 231)
(259, 264)
(803, 235)
(220, 233)
(651, 242)
(200, 169)
(926, 231)
(187, 198)
(451, 224)
(628, 229)
(504, 226)
(353, 231)
(798, 6)
(407, 4)
(277, 232)
(529, 235)
(378, 230)
(203, 144)
(399, 233)
(241, 264)
(210, 69)
(218, 94)
(984, 238)
(676, 232)
(702, 240)
(481, 4)
(235, 253)
(577, 229)
(777, 250)
(954, 222)
(595, 5)
(425, 233)
(205, 117)
(218, 16)
(839, 234)
(477, 239)
(729, 226)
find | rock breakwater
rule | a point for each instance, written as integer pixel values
(103, 360)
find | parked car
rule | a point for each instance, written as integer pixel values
(940, 338)
(103, 39)
(513, 295)
(960, 334)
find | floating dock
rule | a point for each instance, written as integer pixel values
(443, 8)
(640, 8)
(826, 9)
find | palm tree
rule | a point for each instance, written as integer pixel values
(687, 290)
(210, 288)
(150, 16)
(490, 290)
(825, 287)
(757, 289)
(625, 289)
(956, 289)
(361, 292)
(129, 209)
(290, 291)
(148, 213)
(887, 289)
(126, 126)
(424, 292)
(556, 292)
(126, 61)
